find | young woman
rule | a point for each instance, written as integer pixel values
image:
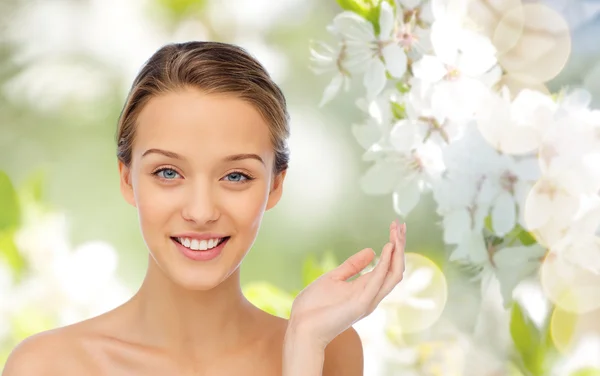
(202, 155)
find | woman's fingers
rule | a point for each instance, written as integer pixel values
(396, 271)
(393, 226)
(353, 265)
(375, 278)
(379, 282)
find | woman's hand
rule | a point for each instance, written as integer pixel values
(331, 304)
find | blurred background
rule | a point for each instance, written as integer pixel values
(70, 247)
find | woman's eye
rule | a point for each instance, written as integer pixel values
(167, 174)
(237, 177)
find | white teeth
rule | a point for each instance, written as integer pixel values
(199, 245)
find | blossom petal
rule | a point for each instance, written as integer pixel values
(374, 79)
(406, 197)
(471, 248)
(456, 224)
(380, 179)
(332, 89)
(547, 201)
(410, 4)
(521, 191)
(527, 169)
(429, 69)
(477, 250)
(426, 15)
(445, 36)
(403, 136)
(386, 20)
(496, 125)
(478, 54)
(366, 135)
(354, 27)
(504, 214)
(395, 60)
(513, 264)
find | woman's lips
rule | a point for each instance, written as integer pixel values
(207, 255)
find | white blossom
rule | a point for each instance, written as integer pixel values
(326, 59)
(370, 53)
(423, 122)
(509, 183)
(515, 126)
(461, 70)
(405, 175)
(499, 162)
(412, 32)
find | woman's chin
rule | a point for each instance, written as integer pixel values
(197, 282)
(195, 275)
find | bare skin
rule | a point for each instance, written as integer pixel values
(190, 317)
(115, 344)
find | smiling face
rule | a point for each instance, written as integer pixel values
(201, 163)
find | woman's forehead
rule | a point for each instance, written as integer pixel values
(191, 120)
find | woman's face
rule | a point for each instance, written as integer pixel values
(201, 165)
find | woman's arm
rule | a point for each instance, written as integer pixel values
(342, 357)
(302, 354)
(329, 306)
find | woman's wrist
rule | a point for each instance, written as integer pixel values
(303, 354)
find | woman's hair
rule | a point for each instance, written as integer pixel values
(210, 67)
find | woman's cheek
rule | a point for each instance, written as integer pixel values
(250, 206)
(154, 203)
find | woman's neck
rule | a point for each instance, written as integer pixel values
(205, 322)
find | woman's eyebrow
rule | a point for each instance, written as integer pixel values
(229, 158)
(239, 157)
(166, 153)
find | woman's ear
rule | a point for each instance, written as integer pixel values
(125, 183)
(276, 189)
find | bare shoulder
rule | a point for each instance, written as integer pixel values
(41, 354)
(59, 351)
(344, 355)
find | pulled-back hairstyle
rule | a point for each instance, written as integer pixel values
(210, 67)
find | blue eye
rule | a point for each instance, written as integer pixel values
(238, 177)
(167, 173)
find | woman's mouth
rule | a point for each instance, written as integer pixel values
(200, 250)
(200, 245)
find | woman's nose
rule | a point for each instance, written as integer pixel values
(200, 206)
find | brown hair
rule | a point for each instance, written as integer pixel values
(211, 67)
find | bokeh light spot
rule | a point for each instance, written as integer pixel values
(418, 301)
(568, 286)
(534, 42)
